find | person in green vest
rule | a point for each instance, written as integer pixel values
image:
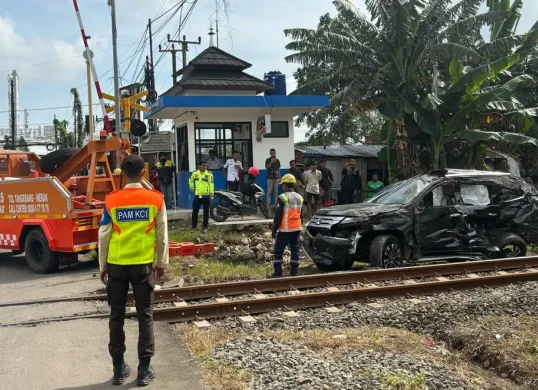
(374, 186)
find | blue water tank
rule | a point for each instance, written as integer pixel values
(278, 80)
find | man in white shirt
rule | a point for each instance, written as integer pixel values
(233, 169)
(213, 162)
(312, 178)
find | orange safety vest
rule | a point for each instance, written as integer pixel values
(133, 212)
(291, 218)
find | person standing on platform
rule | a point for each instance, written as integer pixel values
(233, 169)
(312, 178)
(350, 184)
(296, 172)
(327, 181)
(134, 222)
(202, 185)
(287, 226)
(272, 165)
(165, 168)
(374, 186)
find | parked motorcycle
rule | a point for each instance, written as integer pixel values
(247, 202)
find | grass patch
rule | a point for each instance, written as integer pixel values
(209, 270)
(507, 345)
(218, 376)
(214, 234)
(403, 381)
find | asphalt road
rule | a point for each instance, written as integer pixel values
(74, 354)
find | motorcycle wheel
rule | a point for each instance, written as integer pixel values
(215, 214)
(264, 210)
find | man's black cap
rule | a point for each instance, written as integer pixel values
(134, 161)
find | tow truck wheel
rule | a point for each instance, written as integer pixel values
(40, 258)
(386, 252)
(54, 160)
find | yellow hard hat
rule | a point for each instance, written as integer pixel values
(288, 179)
(117, 170)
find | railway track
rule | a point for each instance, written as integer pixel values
(251, 297)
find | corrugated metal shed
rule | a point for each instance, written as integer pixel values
(345, 151)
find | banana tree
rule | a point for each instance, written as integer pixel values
(384, 62)
(446, 112)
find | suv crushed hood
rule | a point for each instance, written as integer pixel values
(358, 210)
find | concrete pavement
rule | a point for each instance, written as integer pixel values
(74, 354)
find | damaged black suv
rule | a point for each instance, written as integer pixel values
(443, 215)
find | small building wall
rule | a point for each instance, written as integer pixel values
(260, 150)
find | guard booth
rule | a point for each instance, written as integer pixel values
(154, 143)
(218, 107)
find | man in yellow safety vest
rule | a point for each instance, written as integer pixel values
(133, 223)
(287, 226)
(202, 185)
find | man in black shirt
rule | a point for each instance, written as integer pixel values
(351, 181)
(327, 181)
(165, 168)
(296, 172)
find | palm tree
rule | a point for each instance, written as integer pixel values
(387, 62)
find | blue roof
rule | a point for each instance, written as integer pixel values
(359, 150)
(303, 101)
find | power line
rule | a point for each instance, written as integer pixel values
(58, 60)
(48, 108)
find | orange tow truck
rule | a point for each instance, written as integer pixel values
(54, 217)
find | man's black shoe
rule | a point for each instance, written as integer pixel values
(274, 275)
(294, 272)
(121, 372)
(145, 375)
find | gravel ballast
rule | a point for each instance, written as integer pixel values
(282, 366)
(434, 316)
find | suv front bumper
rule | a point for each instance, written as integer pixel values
(328, 249)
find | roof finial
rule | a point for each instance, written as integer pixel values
(211, 33)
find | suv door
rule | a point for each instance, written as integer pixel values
(436, 224)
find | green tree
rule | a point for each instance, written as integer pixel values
(387, 62)
(8, 143)
(23, 145)
(78, 119)
(65, 139)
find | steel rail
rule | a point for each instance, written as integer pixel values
(310, 281)
(310, 300)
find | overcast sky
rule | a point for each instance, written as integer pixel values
(33, 32)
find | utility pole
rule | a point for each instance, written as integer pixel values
(173, 51)
(151, 51)
(117, 113)
(184, 48)
(55, 133)
(90, 104)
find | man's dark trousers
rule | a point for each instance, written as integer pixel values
(283, 239)
(143, 283)
(233, 186)
(196, 209)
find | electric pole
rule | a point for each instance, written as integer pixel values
(55, 133)
(117, 112)
(185, 47)
(173, 51)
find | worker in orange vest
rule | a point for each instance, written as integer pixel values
(133, 223)
(287, 226)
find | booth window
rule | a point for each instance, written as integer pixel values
(279, 130)
(223, 138)
(183, 149)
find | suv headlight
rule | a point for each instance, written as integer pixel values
(357, 219)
